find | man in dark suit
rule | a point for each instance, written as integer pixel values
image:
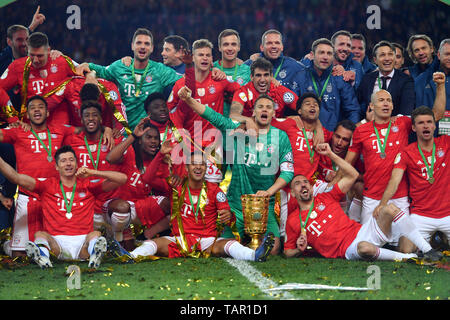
(399, 85)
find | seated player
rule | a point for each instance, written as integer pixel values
(197, 207)
(68, 209)
(321, 223)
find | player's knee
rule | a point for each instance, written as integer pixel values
(390, 210)
(120, 221)
(366, 250)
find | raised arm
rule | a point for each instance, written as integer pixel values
(440, 100)
(14, 177)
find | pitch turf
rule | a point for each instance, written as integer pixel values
(217, 279)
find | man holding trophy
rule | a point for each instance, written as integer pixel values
(259, 154)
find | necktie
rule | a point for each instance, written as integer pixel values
(384, 85)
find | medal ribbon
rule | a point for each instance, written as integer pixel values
(382, 147)
(303, 226)
(138, 89)
(49, 149)
(94, 163)
(278, 69)
(235, 69)
(430, 169)
(68, 205)
(311, 151)
(198, 202)
(324, 85)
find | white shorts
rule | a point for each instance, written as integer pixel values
(369, 205)
(23, 229)
(369, 232)
(70, 246)
(205, 243)
(427, 226)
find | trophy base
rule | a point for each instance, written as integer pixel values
(255, 242)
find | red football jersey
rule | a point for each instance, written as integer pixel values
(40, 81)
(208, 92)
(302, 163)
(205, 225)
(31, 157)
(377, 171)
(329, 230)
(71, 94)
(282, 96)
(5, 102)
(429, 200)
(55, 218)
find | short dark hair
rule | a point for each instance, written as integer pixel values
(64, 149)
(398, 45)
(37, 40)
(89, 91)
(359, 36)
(382, 43)
(420, 111)
(316, 43)
(305, 96)
(178, 42)
(340, 33)
(143, 31)
(347, 124)
(37, 97)
(90, 104)
(13, 29)
(226, 33)
(152, 97)
(261, 63)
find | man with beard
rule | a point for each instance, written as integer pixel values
(67, 205)
(321, 223)
(137, 81)
(421, 51)
(337, 97)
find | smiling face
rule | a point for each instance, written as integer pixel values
(272, 46)
(142, 47)
(424, 126)
(150, 142)
(37, 112)
(203, 59)
(384, 59)
(91, 120)
(229, 47)
(301, 189)
(18, 43)
(342, 47)
(261, 80)
(309, 110)
(358, 50)
(67, 164)
(197, 168)
(263, 112)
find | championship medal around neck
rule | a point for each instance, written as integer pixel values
(431, 180)
(383, 155)
(69, 215)
(49, 158)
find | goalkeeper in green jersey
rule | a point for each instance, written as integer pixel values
(140, 79)
(262, 161)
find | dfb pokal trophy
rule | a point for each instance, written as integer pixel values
(255, 210)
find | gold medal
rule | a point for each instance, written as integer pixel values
(311, 159)
(431, 180)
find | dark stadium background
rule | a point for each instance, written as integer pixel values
(107, 26)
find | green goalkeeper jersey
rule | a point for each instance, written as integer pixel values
(157, 77)
(256, 163)
(239, 74)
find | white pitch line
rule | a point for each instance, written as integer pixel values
(253, 275)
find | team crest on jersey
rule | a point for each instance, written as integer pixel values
(82, 194)
(221, 197)
(148, 79)
(243, 96)
(441, 153)
(113, 95)
(270, 149)
(43, 73)
(321, 207)
(288, 97)
(240, 81)
(5, 74)
(54, 68)
(212, 90)
(282, 74)
(104, 148)
(394, 129)
(201, 92)
(329, 88)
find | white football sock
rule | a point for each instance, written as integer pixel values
(386, 254)
(354, 210)
(43, 245)
(239, 252)
(409, 230)
(91, 245)
(147, 248)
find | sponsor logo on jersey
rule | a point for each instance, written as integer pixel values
(288, 97)
(113, 95)
(221, 197)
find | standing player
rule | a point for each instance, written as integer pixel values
(137, 81)
(261, 83)
(37, 74)
(321, 223)
(426, 165)
(197, 207)
(255, 165)
(68, 209)
(38, 144)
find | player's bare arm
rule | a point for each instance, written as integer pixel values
(14, 177)
(113, 179)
